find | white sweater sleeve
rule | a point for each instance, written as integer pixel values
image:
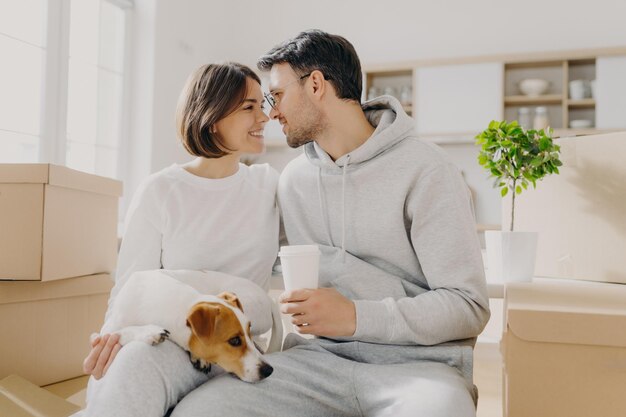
(141, 243)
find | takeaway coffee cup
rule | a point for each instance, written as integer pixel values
(301, 264)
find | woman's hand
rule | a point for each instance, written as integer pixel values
(104, 348)
(321, 312)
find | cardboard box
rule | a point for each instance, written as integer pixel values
(580, 214)
(45, 326)
(564, 349)
(56, 222)
(73, 390)
(21, 398)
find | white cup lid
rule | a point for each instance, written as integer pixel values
(298, 250)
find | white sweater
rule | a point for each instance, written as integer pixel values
(178, 220)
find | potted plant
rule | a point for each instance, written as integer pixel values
(516, 158)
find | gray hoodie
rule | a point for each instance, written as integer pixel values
(395, 226)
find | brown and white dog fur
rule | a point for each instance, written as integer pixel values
(153, 306)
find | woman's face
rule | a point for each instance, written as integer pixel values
(242, 130)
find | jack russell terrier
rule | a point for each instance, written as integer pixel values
(182, 306)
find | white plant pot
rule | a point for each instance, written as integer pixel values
(511, 255)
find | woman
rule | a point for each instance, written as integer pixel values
(212, 213)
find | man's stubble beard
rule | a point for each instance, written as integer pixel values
(312, 123)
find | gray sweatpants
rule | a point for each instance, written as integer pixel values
(311, 378)
(143, 381)
(322, 379)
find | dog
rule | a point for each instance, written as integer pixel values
(156, 305)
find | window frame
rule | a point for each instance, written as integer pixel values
(55, 84)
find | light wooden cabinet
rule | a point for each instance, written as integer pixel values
(454, 99)
(611, 92)
(397, 82)
(564, 111)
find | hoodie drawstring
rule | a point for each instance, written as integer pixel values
(343, 209)
(323, 206)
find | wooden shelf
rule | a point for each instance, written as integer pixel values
(391, 72)
(565, 133)
(532, 100)
(583, 103)
(467, 138)
(457, 138)
(483, 227)
(533, 64)
(500, 77)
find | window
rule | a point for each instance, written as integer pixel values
(96, 80)
(23, 48)
(65, 82)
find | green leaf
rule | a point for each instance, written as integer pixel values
(544, 144)
(527, 175)
(511, 153)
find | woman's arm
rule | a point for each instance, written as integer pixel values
(140, 250)
(141, 243)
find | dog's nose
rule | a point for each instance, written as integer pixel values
(265, 370)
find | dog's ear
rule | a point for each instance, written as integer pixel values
(201, 319)
(231, 299)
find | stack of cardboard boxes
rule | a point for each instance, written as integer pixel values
(58, 249)
(564, 344)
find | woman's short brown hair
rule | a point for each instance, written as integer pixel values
(211, 93)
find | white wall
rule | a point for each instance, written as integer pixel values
(192, 32)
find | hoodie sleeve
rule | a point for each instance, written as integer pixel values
(455, 305)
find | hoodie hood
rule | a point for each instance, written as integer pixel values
(392, 125)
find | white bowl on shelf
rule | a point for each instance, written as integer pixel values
(580, 123)
(533, 86)
(579, 89)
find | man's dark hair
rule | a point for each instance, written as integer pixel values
(314, 50)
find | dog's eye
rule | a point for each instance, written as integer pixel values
(234, 341)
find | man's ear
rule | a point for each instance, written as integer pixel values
(231, 299)
(318, 82)
(201, 319)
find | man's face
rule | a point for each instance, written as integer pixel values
(302, 121)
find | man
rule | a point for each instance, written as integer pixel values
(402, 292)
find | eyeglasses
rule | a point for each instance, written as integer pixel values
(272, 100)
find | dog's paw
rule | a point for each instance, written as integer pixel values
(199, 364)
(150, 334)
(156, 338)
